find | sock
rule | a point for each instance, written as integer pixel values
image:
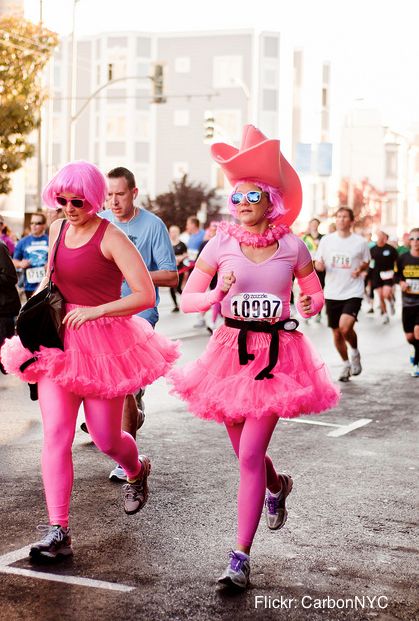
(346, 363)
(276, 495)
(416, 348)
(354, 352)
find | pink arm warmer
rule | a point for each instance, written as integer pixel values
(310, 285)
(195, 297)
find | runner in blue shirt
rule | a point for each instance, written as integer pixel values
(150, 235)
(31, 254)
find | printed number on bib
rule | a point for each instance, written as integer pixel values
(386, 275)
(253, 306)
(34, 275)
(413, 285)
(342, 261)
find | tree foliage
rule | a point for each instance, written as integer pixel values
(367, 201)
(183, 199)
(25, 48)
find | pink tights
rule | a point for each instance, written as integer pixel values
(250, 441)
(59, 409)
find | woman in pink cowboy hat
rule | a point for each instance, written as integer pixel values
(257, 367)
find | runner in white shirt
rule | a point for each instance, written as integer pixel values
(344, 256)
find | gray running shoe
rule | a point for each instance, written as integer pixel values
(118, 474)
(56, 542)
(237, 572)
(136, 493)
(356, 367)
(276, 512)
(345, 374)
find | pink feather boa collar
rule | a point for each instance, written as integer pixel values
(272, 234)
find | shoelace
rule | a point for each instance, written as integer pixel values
(236, 562)
(273, 503)
(133, 490)
(51, 534)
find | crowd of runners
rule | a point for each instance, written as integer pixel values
(257, 367)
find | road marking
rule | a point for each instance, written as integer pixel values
(17, 555)
(340, 430)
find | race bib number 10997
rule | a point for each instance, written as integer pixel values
(253, 306)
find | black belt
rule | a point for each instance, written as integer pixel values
(289, 325)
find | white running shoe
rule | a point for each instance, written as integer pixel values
(356, 367)
(118, 474)
(237, 571)
(345, 374)
(415, 370)
(385, 319)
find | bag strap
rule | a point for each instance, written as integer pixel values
(57, 243)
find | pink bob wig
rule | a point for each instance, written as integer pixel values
(80, 178)
(274, 194)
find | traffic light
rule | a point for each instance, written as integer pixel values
(209, 126)
(158, 84)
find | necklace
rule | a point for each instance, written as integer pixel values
(258, 240)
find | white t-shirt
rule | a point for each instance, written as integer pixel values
(341, 256)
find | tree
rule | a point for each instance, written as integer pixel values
(183, 199)
(25, 49)
(367, 201)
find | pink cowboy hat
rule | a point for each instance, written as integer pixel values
(261, 158)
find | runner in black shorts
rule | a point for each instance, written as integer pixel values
(344, 256)
(383, 258)
(408, 278)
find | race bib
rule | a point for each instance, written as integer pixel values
(413, 285)
(386, 275)
(34, 275)
(341, 261)
(254, 306)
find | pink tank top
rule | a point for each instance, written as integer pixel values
(84, 275)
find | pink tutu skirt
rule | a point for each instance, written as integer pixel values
(106, 357)
(217, 387)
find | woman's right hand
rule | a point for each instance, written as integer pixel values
(227, 281)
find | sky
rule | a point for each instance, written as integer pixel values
(373, 45)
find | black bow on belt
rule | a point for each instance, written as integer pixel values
(289, 325)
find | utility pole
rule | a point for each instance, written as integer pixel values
(73, 86)
(39, 145)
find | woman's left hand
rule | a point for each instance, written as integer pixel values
(78, 316)
(305, 301)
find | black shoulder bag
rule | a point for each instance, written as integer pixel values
(40, 320)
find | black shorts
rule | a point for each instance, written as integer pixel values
(377, 282)
(410, 318)
(336, 308)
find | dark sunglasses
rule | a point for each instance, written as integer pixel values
(76, 202)
(36, 223)
(413, 238)
(253, 197)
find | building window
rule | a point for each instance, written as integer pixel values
(270, 47)
(116, 127)
(182, 64)
(143, 47)
(114, 149)
(269, 99)
(181, 118)
(227, 71)
(117, 42)
(142, 126)
(142, 151)
(180, 169)
(143, 71)
(117, 96)
(391, 164)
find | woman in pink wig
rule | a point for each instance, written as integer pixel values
(107, 353)
(257, 367)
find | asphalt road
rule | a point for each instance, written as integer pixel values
(348, 550)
